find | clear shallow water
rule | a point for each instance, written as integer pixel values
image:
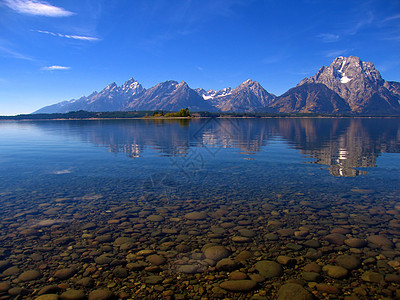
(318, 174)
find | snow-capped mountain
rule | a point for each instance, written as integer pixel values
(348, 85)
(111, 98)
(249, 96)
(360, 84)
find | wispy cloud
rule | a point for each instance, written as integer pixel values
(74, 37)
(55, 68)
(367, 19)
(328, 37)
(391, 18)
(9, 52)
(336, 52)
(37, 8)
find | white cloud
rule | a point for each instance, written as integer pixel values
(37, 8)
(328, 37)
(74, 37)
(53, 68)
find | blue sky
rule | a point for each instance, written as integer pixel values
(58, 50)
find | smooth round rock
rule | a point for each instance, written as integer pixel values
(187, 269)
(336, 238)
(335, 271)
(371, 276)
(269, 269)
(355, 243)
(5, 286)
(101, 294)
(156, 259)
(311, 276)
(48, 297)
(294, 291)
(228, 265)
(238, 285)
(196, 215)
(349, 262)
(123, 240)
(73, 295)
(29, 275)
(64, 273)
(155, 218)
(216, 253)
(120, 272)
(380, 240)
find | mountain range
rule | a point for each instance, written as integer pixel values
(347, 85)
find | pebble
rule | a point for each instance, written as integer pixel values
(325, 288)
(380, 240)
(187, 269)
(371, 276)
(63, 274)
(238, 285)
(228, 265)
(156, 259)
(216, 253)
(355, 243)
(5, 286)
(196, 216)
(336, 238)
(73, 295)
(268, 269)
(155, 218)
(350, 262)
(48, 297)
(293, 291)
(311, 276)
(336, 272)
(101, 294)
(29, 275)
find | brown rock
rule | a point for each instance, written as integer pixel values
(238, 285)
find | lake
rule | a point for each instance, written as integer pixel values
(202, 208)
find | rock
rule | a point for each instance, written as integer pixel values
(325, 288)
(244, 255)
(312, 244)
(285, 232)
(73, 295)
(311, 276)
(286, 260)
(355, 243)
(241, 239)
(17, 291)
(335, 271)
(227, 264)
(11, 271)
(29, 275)
(155, 218)
(145, 252)
(293, 291)
(182, 248)
(392, 278)
(336, 238)
(371, 276)
(103, 260)
(216, 253)
(380, 240)
(47, 297)
(5, 286)
(271, 237)
(123, 240)
(269, 269)
(154, 279)
(238, 285)
(49, 289)
(4, 264)
(120, 272)
(196, 216)
(350, 262)
(247, 233)
(104, 238)
(101, 294)
(237, 275)
(64, 273)
(156, 259)
(187, 269)
(86, 282)
(312, 267)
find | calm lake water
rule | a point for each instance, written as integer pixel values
(70, 189)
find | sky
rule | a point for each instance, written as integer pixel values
(57, 50)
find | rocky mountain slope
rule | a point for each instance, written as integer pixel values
(347, 85)
(360, 84)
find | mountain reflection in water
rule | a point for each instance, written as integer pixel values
(343, 144)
